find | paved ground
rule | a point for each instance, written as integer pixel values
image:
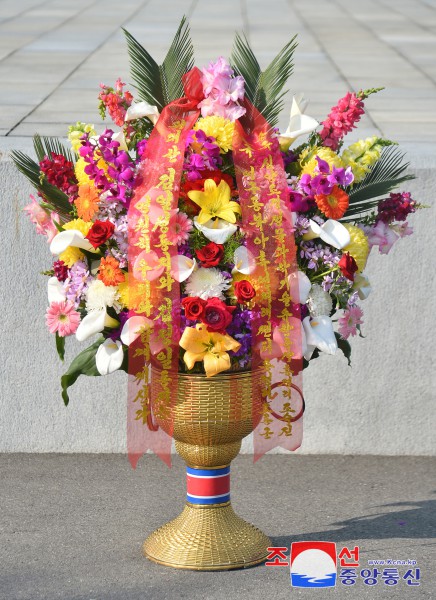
(71, 526)
(53, 54)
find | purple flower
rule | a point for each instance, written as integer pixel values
(341, 176)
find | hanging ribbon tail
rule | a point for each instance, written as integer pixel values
(276, 329)
(153, 291)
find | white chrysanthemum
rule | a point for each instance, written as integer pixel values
(207, 283)
(99, 296)
(319, 301)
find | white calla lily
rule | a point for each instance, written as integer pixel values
(133, 328)
(70, 237)
(182, 267)
(244, 260)
(109, 357)
(331, 232)
(299, 123)
(216, 230)
(94, 322)
(319, 334)
(140, 110)
(55, 290)
(299, 287)
(121, 139)
(362, 285)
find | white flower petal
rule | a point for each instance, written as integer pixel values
(216, 230)
(121, 139)
(320, 334)
(314, 231)
(244, 260)
(133, 327)
(109, 357)
(94, 322)
(335, 234)
(55, 290)
(299, 123)
(300, 279)
(182, 267)
(70, 237)
(140, 110)
(362, 285)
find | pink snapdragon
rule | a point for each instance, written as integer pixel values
(222, 91)
(42, 219)
(341, 120)
(349, 321)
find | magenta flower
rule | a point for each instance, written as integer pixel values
(348, 323)
(396, 208)
(62, 318)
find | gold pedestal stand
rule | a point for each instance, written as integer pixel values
(211, 417)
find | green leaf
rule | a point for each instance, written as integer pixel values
(344, 346)
(60, 345)
(264, 88)
(161, 84)
(386, 174)
(44, 146)
(30, 169)
(83, 364)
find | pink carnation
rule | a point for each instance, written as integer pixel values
(62, 318)
(341, 120)
(349, 321)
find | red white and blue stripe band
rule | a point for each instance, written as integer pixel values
(208, 486)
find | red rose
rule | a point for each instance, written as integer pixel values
(217, 315)
(210, 255)
(194, 307)
(244, 291)
(348, 266)
(100, 232)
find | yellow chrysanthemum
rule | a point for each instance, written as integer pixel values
(79, 224)
(361, 156)
(358, 246)
(308, 161)
(131, 295)
(219, 128)
(71, 255)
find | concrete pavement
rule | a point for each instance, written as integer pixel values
(72, 526)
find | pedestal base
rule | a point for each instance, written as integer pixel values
(207, 538)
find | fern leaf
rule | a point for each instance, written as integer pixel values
(264, 88)
(162, 84)
(386, 174)
(44, 146)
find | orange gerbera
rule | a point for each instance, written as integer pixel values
(110, 272)
(333, 205)
(86, 202)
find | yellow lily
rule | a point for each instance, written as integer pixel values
(209, 347)
(215, 202)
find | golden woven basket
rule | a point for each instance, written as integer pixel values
(210, 417)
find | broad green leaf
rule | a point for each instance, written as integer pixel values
(83, 364)
(44, 146)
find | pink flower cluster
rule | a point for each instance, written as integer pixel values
(115, 101)
(222, 90)
(43, 220)
(341, 120)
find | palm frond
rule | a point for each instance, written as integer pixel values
(30, 169)
(44, 146)
(160, 84)
(264, 88)
(386, 174)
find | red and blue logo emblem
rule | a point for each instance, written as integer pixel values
(313, 564)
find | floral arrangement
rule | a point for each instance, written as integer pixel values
(337, 200)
